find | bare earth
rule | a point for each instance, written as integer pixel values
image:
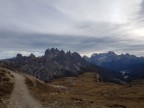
(21, 98)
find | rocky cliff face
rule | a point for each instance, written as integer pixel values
(53, 64)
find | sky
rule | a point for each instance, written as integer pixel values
(84, 26)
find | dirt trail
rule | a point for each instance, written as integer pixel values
(21, 98)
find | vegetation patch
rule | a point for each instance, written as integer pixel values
(6, 85)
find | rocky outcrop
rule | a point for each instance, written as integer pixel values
(53, 64)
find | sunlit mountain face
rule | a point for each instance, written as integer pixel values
(83, 26)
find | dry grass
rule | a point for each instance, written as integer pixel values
(6, 85)
(84, 92)
(39, 89)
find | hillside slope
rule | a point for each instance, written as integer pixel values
(85, 91)
(6, 86)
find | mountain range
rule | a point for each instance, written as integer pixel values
(130, 66)
(54, 64)
(60, 79)
(109, 67)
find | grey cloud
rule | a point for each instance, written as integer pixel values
(68, 42)
(29, 15)
(35, 25)
(142, 8)
(139, 19)
(39, 42)
(46, 40)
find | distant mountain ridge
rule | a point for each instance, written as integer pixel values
(113, 61)
(130, 66)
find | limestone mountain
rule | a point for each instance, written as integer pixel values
(130, 66)
(112, 61)
(53, 64)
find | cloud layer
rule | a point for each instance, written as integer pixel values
(78, 25)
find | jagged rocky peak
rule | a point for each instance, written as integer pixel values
(94, 55)
(76, 54)
(53, 64)
(113, 61)
(111, 53)
(19, 55)
(50, 53)
(86, 58)
(53, 52)
(32, 55)
(68, 53)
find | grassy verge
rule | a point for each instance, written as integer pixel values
(6, 85)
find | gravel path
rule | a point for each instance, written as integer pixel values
(21, 98)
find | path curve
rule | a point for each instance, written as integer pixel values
(21, 97)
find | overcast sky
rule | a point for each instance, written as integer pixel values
(85, 26)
